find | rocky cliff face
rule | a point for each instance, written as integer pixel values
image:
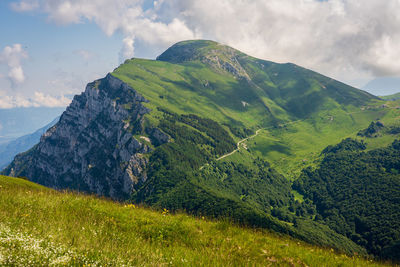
(92, 148)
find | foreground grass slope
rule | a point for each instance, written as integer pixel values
(40, 226)
(205, 98)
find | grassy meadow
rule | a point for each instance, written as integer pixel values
(299, 114)
(44, 227)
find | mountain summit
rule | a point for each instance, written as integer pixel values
(204, 128)
(107, 138)
(190, 50)
(209, 52)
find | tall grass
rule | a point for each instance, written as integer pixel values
(43, 227)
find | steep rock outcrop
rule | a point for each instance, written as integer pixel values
(92, 147)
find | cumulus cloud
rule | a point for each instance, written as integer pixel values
(12, 56)
(124, 16)
(127, 50)
(115, 15)
(38, 99)
(334, 36)
(337, 37)
(41, 99)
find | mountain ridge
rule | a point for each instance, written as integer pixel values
(9, 150)
(144, 132)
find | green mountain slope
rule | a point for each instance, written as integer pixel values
(207, 130)
(298, 111)
(219, 82)
(40, 226)
(391, 97)
(358, 194)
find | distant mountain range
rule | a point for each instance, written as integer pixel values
(211, 131)
(383, 86)
(16, 122)
(10, 149)
(393, 97)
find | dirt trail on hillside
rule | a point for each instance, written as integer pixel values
(283, 124)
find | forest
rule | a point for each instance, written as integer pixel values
(357, 193)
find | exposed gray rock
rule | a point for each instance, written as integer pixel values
(158, 137)
(92, 147)
(9, 150)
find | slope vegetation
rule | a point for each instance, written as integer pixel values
(44, 227)
(357, 194)
(162, 132)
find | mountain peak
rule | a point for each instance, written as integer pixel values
(216, 55)
(197, 50)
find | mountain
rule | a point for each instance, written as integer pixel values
(209, 130)
(16, 122)
(391, 97)
(357, 193)
(21, 144)
(106, 129)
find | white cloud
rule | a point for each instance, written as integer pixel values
(16, 74)
(39, 99)
(12, 57)
(117, 15)
(344, 38)
(338, 37)
(127, 50)
(7, 101)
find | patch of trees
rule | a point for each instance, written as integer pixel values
(357, 194)
(241, 132)
(183, 175)
(347, 144)
(372, 130)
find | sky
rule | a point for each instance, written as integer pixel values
(50, 49)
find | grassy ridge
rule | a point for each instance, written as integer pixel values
(391, 97)
(41, 226)
(220, 83)
(298, 145)
(209, 99)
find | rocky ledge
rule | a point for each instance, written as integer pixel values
(92, 148)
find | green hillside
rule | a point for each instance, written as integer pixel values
(244, 93)
(357, 194)
(221, 83)
(212, 132)
(44, 227)
(391, 97)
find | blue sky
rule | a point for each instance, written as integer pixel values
(50, 49)
(55, 52)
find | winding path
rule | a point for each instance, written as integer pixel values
(238, 144)
(252, 136)
(283, 124)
